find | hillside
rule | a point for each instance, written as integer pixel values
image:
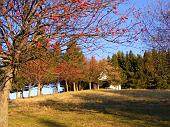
(104, 108)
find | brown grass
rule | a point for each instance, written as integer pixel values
(103, 108)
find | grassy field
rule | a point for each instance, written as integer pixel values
(103, 108)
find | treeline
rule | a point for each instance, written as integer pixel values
(75, 72)
(150, 71)
(71, 68)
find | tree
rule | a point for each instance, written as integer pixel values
(156, 69)
(156, 25)
(161, 65)
(149, 69)
(112, 71)
(131, 64)
(53, 74)
(69, 73)
(140, 75)
(63, 70)
(19, 85)
(37, 71)
(92, 71)
(30, 24)
(75, 58)
(74, 54)
(168, 67)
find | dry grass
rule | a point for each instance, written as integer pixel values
(103, 108)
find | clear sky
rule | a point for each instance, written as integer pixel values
(138, 47)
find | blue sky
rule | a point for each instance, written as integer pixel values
(137, 47)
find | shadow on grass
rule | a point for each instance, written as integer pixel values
(50, 123)
(41, 121)
(140, 113)
(160, 95)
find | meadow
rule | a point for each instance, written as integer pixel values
(93, 108)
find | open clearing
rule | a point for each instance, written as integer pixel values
(97, 108)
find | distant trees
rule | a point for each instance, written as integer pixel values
(76, 61)
(37, 71)
(150, 71)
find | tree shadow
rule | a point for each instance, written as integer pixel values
(51, 123)
(139, 112)
(40, 120)
(161, 95)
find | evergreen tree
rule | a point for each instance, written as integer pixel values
(168, 67)
(140, 75)
(74, 55)
(149, 70)
(152, 71)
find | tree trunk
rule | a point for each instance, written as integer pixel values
(39, 89)
(66, 86)
(29, 90)
(70, 88)
(57, 86)
(77, 88)
(17, 93)
(98, 86)
(21, 94)
(74, 86)
(90, 85)
(4, 102)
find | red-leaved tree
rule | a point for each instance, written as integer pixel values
(92, 71)
(36, 70)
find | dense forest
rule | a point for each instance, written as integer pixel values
(150, 71)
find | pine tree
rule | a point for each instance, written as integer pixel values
(123, 67)
(168, 67)
(140, 75)
(149, 70)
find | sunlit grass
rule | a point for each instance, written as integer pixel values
(103, 108)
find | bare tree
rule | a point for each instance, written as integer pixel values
(156, 25)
